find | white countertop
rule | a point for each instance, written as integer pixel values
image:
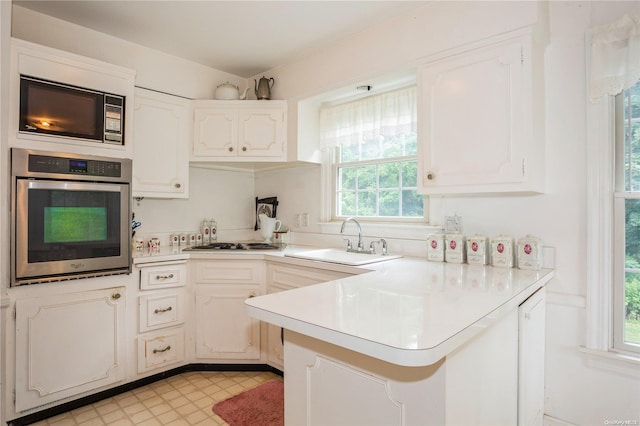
(407, 311)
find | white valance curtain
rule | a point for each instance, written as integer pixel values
(385, 115)
(615, 57)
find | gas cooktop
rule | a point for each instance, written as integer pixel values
(237, 246)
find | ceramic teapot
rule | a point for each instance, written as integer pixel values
(263, 87)
(228, 91)
(268, 225)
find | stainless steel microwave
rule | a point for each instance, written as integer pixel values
(56, 109)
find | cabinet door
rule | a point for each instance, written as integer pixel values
(531, 360)
(215, 132)
(68, 344)
(223, 328)
(162, 126)
(472, 134)
(261, 132)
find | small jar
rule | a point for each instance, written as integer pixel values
(455, 250)
(502, 251)
(477, 250)
(435, 247)
(529, 253)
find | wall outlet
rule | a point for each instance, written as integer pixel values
(297, 220)
(453, 223)
(305, 220)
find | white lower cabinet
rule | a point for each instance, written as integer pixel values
(67, 344)
(161, 315)
(282, 277)
(224, 332)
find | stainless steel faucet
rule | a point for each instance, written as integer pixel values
(360, 247)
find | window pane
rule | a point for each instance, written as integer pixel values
(366, 204)
(389, 203)
(346, 203)
(632, 308)
(347, 178)
(367, 177)
(410, 174)
(389, 175)
(412, 204)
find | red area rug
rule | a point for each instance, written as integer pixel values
(260, 406)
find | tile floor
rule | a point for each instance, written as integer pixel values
(184, 399)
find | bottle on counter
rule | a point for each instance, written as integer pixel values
(206, 231)
(213, 227)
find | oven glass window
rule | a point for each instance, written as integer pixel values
(66, 225)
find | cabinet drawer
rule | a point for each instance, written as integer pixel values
(229, 272)
(159, 310)
(163, 275)
(160, 349)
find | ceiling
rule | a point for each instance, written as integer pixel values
(244, 38)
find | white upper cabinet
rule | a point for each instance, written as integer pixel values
(239, 131)
(162, 130)
(481, 128)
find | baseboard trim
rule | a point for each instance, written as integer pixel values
(108, 393)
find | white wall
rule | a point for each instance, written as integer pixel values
(575, 393)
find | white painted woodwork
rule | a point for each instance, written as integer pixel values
(160, 349)
(67, 344)
(239, 131)
(531, 363)
(474, 385)
(163, 275)
(224, 331)
(282, 277)
(476, 109)
(162, 132)
(161, 309)
(223, 328)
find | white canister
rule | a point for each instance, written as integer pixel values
(435, 247)
(192, 239)
(206, 231)
(529, 253)
(184, 239)
(477, 250)
(174, 239)
(198, 239)
(455, 250)
(502, 251)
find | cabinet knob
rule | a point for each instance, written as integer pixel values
(116, 296)
(244, 148)
(178, 186)
(431, 175)
(230, 149)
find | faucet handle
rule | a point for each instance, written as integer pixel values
(349, 246)
(384, 246)
(372, 247)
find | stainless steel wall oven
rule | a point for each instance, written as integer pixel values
(70, 216)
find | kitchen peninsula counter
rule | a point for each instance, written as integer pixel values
(413, 342)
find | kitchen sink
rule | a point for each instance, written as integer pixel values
(342, 257)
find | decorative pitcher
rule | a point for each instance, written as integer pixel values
(263, 88)
(268, 226)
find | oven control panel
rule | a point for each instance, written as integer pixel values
(75, 166)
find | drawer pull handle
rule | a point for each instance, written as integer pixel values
(116, 296)
(155, 351)
(161, 310)
(164, 277)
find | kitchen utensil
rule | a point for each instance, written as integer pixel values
(228, 91)
(267, 226)
(263, 87)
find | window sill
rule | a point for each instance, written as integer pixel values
(618, 362)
